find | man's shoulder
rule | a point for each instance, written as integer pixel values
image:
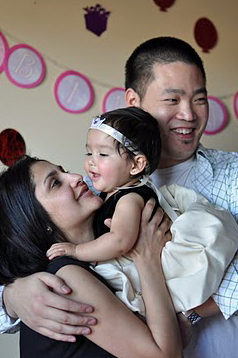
(215, 156)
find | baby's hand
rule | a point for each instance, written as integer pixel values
(61, 249)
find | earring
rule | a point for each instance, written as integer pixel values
(49, 229)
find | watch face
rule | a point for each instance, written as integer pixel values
(217, 119)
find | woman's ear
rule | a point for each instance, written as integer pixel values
(132, 98)
(138, 165)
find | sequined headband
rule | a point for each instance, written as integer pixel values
(97, 123)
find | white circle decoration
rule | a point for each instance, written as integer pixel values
(114, 99)
(3, 50)
(236, 104)
(73, 92)
(217, 119)
(24, 66)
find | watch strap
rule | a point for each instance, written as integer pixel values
(192, 316)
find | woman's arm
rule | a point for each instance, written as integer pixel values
(121, 238)
(32, 300)
(119, 331)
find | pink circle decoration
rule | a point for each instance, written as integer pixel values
(3, 50)
(236, 104)
(114, 98)
(12, 146)
(24, 66)
(164, 4)
(73, 92)
(217, 119)
(205, 34)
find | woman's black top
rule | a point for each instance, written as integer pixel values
(35, 345)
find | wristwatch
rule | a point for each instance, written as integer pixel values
(192, 316)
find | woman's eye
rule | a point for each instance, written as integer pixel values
(55, 183)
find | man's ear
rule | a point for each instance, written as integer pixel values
(132, 98)
(138, 165)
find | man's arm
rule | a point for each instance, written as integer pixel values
(53, 315)
(226, 296)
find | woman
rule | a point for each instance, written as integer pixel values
(41, 204)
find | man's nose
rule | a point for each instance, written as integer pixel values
(187, 112)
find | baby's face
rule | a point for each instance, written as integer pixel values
(106, 167)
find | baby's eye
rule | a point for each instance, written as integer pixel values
(103, 155)
(171, 100)
(88, 154)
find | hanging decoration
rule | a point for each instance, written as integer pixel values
(235, 104)
(205, 34)
(164, 4)
(114, 98)
(12, 146)
(217, 119)
(96, 19)
(24, 66)
(3, 50)
(73, 92)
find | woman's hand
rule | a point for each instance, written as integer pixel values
(153, 234)
(32, 300)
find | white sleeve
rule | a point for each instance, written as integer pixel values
(7, 324)
(204, 239)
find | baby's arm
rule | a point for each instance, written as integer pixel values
(121, 238)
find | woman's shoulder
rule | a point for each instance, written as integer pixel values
(61, 261)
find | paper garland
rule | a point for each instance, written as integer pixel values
(217, 119)
(114, 98)
(3, 50)
(73, 92)
(79, 97)
(24, 66)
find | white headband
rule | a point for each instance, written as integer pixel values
(97, 123)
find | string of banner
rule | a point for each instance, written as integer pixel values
(25, 67)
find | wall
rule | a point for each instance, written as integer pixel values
(56, 29)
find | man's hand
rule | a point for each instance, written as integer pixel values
(49, 313)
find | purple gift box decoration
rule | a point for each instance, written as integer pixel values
(96, 19)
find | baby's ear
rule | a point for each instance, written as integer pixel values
(138, 165)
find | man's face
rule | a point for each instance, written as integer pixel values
(177, 99)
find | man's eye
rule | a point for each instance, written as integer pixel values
(201, 100)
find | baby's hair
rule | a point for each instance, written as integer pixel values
(141, 129)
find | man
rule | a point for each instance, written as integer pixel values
(165, 76)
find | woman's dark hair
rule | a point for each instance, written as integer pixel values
(24, 238)
(159, 50)
(142, 129)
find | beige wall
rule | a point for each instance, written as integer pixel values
(56, 28)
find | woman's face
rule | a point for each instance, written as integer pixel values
(65, 197)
